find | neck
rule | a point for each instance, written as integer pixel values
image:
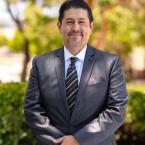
(75, 50)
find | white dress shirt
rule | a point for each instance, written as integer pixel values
(80, 62)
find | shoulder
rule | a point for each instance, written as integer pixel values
(103, 55)
(48, 55)
(106, 59)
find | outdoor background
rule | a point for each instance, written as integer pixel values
(28, 28)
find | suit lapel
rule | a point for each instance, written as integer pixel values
(60, 73)
(87, 69)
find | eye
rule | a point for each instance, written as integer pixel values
(69, 22)
(81, 22)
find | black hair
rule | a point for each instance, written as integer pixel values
(75, 4)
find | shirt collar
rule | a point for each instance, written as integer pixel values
(80, 55)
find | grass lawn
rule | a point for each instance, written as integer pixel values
(136, 85)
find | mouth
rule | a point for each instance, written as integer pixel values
(75, 34)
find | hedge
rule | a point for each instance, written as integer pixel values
(133, 130)
(14, 131)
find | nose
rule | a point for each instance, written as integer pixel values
(76, 26)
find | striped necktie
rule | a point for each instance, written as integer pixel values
(71, 84)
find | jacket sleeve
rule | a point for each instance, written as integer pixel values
(113, 116)
(34, 112)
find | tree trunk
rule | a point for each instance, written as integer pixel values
(26, 60)
(101, 39)
(20, 27)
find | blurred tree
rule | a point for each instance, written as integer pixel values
(34, 32)
(119, 24)
(41, 30)
(118, 27)
(20, 26)
(90, 2)
(3, 40)
(16, 42)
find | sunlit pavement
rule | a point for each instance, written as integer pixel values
(10, 65)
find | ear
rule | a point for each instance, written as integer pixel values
(59, 25)
(92, 25)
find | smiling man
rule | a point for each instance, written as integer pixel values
(76, 95)
(75, 29)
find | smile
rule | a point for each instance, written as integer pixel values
(75, 35)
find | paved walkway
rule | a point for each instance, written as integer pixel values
(10, 65)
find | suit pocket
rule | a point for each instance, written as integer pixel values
(94, 81)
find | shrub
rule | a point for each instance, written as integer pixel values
(136, 111)
(133, 130)
(13, 129)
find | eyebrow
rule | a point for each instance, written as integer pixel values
(72, 19)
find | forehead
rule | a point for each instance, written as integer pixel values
(76, 13)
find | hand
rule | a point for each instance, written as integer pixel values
(58, 140)
(69, 140)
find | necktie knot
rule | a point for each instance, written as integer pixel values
(73, 60)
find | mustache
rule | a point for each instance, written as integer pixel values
(75, 33)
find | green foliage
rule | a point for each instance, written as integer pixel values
(16, 43)
(119, 24)
(13, 129)
(132, 132)
(136, 86)
(3, 40)
(106, 2)
(125, 24)
(46, 2)
(136, 107)
(121, 34)
(136, 111)
(140, 27)
(41, 30)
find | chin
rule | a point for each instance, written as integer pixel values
(75, 44)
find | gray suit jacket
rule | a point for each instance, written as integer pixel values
(100, 104)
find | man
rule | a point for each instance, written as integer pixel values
(76, 95)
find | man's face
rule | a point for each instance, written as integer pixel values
(75, 28)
